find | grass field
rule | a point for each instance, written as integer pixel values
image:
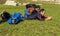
(32, 27)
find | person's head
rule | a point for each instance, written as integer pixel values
(37, 7)
(30, 7)
(42, 11)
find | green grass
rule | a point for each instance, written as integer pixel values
(32, 27)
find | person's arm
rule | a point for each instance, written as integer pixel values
(39, 17)
(26, 12)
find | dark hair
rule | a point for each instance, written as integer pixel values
(42, 10)
(30, 5)
(37, 6)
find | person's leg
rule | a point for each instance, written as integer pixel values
(48, 18)
(13, 20)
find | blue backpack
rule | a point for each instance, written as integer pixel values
(15, 18)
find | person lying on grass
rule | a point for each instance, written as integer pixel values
(41, 15)
(37, 8)
(27, 7)
(34, 12)
(30, 12)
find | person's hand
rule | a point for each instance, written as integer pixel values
(48, 18)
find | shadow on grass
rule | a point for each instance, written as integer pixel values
(17, 22)
(3, 21)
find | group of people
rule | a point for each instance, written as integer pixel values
(34, 11)
(31, 12)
